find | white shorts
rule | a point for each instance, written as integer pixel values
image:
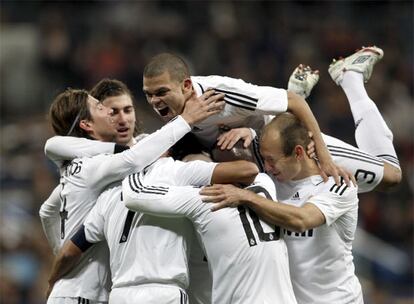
(74, 300)
(148, 294)
(367, 169)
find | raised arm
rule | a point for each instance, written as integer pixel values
(61, 148)
(252, 100)
(115, 167)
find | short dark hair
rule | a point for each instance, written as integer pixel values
(189, 144)
(111, 88)
(67, 110)
(166, 62)
(292, 132)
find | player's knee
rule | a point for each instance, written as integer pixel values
(392, 177)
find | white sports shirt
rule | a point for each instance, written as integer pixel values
(247, 105)
(247, 258)
(367, 169)
(146, 249)
(321, 261)
(253, 106)
(82, 182)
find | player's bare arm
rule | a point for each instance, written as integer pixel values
(294, 218)
(65, 261)
(240, 171)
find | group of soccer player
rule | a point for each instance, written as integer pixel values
(150, 218)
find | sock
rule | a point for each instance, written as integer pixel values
(372, 133)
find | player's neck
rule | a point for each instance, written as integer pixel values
(187, 96)
(309, 168)
(131, 142)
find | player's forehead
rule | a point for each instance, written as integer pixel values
(119, 102)
(92, 100)
(158, 82)
(271, 145)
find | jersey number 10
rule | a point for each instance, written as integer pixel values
(263, 236)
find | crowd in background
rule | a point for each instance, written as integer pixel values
(48, 46)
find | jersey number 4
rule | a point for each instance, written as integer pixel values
(263, 236)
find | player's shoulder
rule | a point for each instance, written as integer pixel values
(341, 190)
(93, 159)
(164, 163)
(111, 195)
(214, 80)
(162, 171)
(206, 78)
(265, 185)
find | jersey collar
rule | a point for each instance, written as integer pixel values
(199, 90)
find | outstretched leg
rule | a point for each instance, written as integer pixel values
(372, 134)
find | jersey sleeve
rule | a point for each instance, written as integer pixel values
(94, 225)
(109, 168)
(334, 201)
(195, 173)
(171, 201)
(246, 97)
(61, 148)
(49, 217)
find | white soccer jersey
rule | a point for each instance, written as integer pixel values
(82, 181)
(201, 282)
(321, 261)
(367, 169)
(144, 249)
(247, 105)
(247, 257)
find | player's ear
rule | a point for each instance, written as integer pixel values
(85, 125)
(187, 85)
(299, 152)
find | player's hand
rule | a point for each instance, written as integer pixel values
(222, 196)
(228, 139)
(197, 109)
(338, 173)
